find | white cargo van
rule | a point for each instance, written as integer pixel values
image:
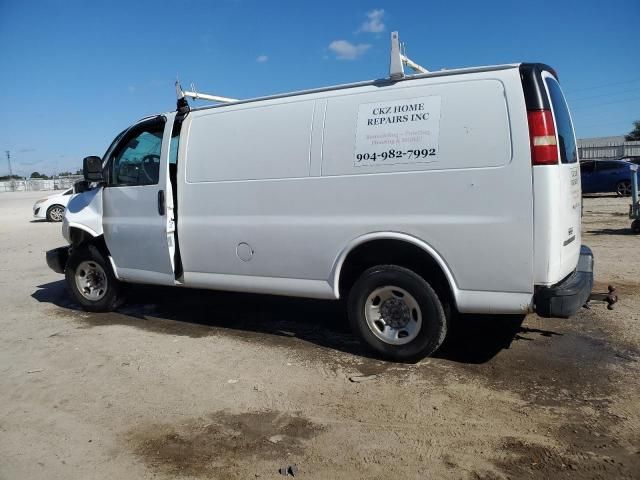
(411, 197)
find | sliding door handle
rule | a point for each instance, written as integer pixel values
(161, 205)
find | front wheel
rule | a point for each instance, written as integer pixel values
(55, 213)
(91, 282)
(635, 226)
(396, 313)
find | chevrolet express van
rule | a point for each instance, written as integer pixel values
(411, 198)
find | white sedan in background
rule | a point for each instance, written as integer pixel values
(52, 207)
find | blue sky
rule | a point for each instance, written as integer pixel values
(75, 73)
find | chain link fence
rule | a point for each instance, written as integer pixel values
(35, 184)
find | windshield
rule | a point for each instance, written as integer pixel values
(113, 144)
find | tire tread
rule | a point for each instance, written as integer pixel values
(114, 297)
(420, 347)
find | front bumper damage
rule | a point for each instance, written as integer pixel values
(57, 259)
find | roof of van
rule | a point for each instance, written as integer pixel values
(378, 82)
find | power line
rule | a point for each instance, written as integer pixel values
(603, 85)
(624, 122)
(11, 182)
(580, 107)
(9, 162)
(635, 90)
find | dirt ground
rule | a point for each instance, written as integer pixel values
(196, 384)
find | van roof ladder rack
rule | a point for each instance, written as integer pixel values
(396, 72)
(201, 96)
(399, 59)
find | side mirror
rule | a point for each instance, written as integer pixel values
(81, 186)
(92, 169)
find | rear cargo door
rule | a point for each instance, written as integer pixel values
(569, 195)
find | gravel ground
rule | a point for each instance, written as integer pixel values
(196, 384)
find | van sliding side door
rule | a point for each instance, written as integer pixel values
(137, 228)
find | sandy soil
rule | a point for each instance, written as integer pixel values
(193, 384)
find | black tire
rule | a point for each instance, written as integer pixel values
(623, 188)
(55, 213)
(635, 226)
(433, 328)
(111, 296)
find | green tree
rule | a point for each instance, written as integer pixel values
(39, 175)
(635, 133)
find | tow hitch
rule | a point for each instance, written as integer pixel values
(609, 298)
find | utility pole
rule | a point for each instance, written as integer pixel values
(10, 171)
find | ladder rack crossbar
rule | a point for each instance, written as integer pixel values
(206, 96)
(410, 63)
(181, 94)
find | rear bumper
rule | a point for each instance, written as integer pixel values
(57, 259)
(565, 299)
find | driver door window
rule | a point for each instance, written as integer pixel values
(137, 160)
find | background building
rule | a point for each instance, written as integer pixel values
(607, 148)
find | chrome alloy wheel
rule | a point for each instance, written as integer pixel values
(91, 280)
(393, 315)
(56, 214)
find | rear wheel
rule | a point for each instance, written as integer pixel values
(55, 213)
(635, 226)
(396, 313)
(91, 281)
(623, 188)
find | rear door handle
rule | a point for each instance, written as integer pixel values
(161, 209)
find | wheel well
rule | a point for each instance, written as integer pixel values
(394, 252)
(80, 238)
(55, 205)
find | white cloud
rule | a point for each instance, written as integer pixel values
(345, 50)
(374, 23)
(262, 59)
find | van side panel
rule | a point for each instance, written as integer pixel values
(255, 142)
(471, 129)
(471, 202)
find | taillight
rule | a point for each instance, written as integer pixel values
(542, 133)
